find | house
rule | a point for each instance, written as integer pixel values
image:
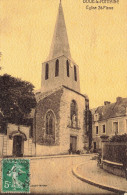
(109, 120)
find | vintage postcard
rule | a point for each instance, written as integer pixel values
(63, 97)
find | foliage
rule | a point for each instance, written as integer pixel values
(114, 152)
(16, 98)
(88, 126)
(104, 136)
(119, 138)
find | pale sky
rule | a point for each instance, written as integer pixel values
(97, 38)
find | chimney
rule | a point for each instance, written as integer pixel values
(118, 99)
(106, 103)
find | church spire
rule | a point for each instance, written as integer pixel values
(60, 44)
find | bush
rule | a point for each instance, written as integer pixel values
(119, 138)
(114, 152)
(104, 137)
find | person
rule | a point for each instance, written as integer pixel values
(125, 163)
(99, 159)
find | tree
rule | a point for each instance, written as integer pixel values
(16, 99)
(119, 138)
(0, 59)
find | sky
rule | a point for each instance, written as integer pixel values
(97, 38)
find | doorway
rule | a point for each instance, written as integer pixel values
(95, 147)
(18, 146)
(73, 144)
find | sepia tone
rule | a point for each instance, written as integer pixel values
(73, 147)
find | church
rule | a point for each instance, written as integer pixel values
(60, 124)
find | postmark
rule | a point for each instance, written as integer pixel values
(15, 175)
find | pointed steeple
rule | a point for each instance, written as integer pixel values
(60, 44)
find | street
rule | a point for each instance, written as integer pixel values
(54, 175)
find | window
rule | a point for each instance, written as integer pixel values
(74, 114)
(103, 128)
(75, 73)
(96, 117)
(50, 123)
(46, 71)
(96, 129)
(67, 65)
(57, 68)
(115, 127)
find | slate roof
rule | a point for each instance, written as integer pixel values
(112, 110)
(60, 45)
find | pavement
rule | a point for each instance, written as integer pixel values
(89, 172)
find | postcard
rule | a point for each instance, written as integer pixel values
(63, 97)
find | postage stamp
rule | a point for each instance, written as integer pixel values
(15, 175)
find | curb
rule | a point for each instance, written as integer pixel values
(87, 180)
(59, 156)
(47, 157)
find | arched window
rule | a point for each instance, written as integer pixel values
(74, 114)
(50, 123)
(57, 68)
(46, 71)
(67, 65)
(75, 73)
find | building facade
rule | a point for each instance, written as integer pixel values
(16, 141)
(59, 122)
(109, 120)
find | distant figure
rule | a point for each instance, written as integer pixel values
(125, 163)
(99, 159)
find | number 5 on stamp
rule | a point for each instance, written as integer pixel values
(15, 175)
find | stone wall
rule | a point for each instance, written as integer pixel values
(59, 102)
(66, 131)
(114, 169)
(51, 102)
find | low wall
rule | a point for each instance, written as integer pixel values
(114, 168)
(113, 155)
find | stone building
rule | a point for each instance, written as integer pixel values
(16, 140)
(59, 122)
(109, 120)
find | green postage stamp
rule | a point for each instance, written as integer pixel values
(15, 175)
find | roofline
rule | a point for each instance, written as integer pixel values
(75, 92)
(110, 118)
(58, 88)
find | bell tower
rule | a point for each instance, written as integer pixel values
(59, 68)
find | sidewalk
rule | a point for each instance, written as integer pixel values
(90, 173)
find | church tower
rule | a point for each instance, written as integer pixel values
(60, 122)
(59, 68)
